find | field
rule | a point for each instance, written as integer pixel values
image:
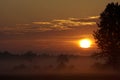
(46, 67)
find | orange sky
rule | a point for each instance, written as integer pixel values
(48, 25)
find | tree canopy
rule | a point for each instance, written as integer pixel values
(108, 35)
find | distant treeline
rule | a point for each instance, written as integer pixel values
(31, 54)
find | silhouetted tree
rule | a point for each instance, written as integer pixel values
(108, 35)
(6, 54)
(29, 54)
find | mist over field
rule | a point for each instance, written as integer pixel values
(30, 64)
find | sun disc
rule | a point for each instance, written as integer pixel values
(85, 43)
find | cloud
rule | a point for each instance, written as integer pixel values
(72, 23)
(53, 25)
(66, 22)
(88, 23)
(41, 23)
(94, 17)
(22, 24)
(87, 19)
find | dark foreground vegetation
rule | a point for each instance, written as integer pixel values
(61, 77)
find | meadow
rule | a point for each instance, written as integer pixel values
(29, 66)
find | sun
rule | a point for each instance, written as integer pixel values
(85, 43)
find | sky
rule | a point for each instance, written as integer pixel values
(52, 26)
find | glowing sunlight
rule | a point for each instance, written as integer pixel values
(85, 43)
